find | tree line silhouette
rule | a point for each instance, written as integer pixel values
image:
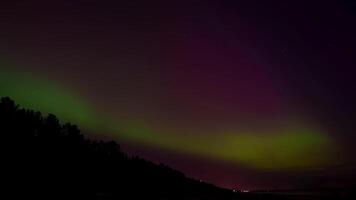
(44, 158)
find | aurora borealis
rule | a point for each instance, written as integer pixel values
(260, 100)
(291, 147)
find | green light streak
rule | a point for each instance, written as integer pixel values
(47, 97)
(292, 147)
(289, 148)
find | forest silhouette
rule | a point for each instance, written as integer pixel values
(45, 159)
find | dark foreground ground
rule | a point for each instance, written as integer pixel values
(44, 159)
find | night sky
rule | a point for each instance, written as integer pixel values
(243, 94)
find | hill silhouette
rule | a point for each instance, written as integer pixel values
(45, 159)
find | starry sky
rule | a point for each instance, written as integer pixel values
(243, 94)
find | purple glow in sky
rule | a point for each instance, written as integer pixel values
(242, 94)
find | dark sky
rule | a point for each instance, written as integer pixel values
(250, 94)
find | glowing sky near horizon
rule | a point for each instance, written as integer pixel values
(238, 93)
(287, 146)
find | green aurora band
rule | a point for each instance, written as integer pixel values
(290, 147)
